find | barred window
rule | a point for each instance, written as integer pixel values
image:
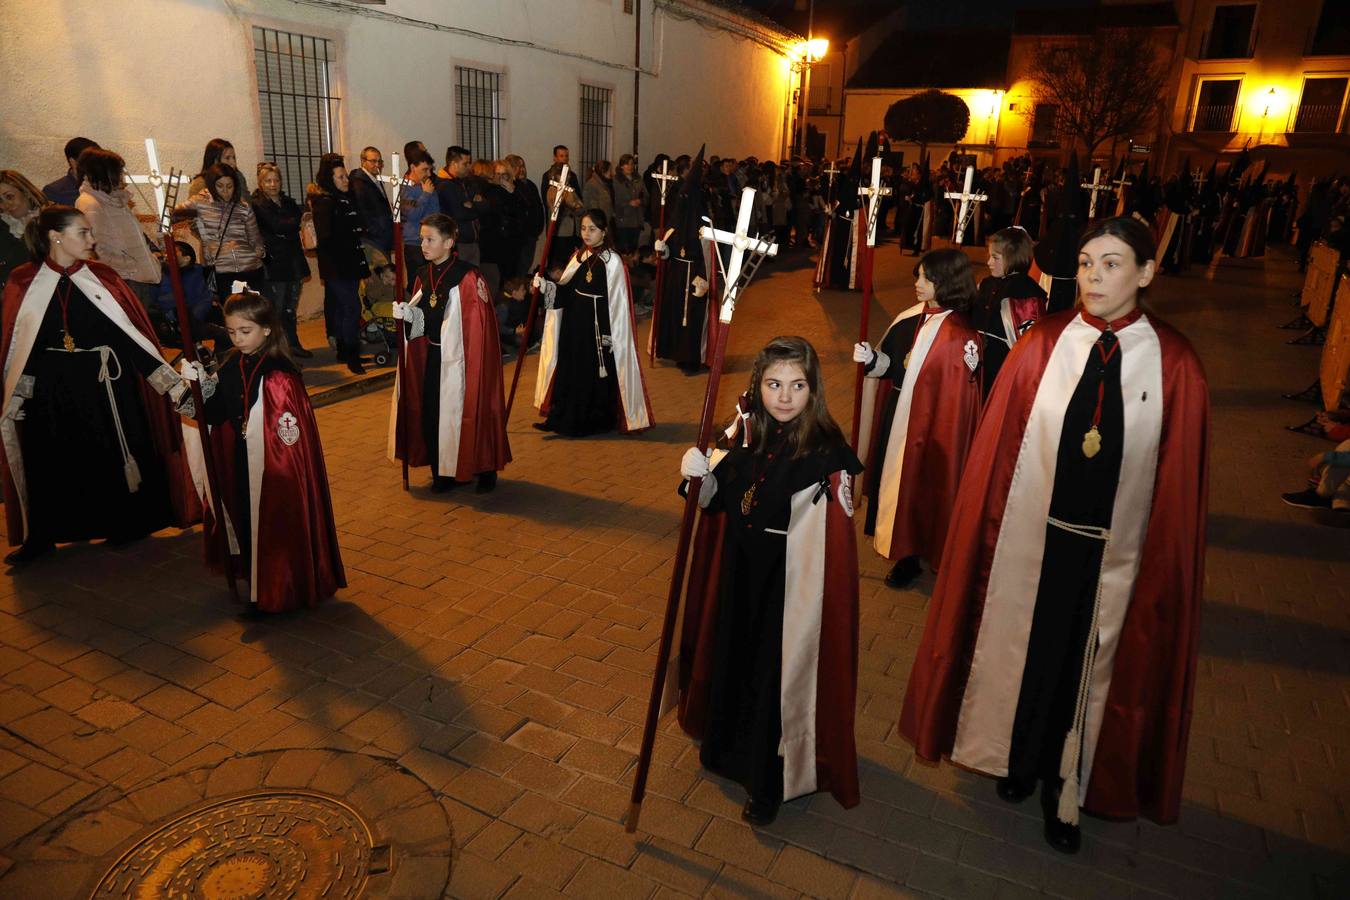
(297, 101)
(478, 111)
(596, 124)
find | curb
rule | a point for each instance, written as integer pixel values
(351, 389)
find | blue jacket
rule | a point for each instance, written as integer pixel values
(417, 205)
(194, 292)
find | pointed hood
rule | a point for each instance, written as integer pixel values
(1057, 252)
(690, 205)
(849, 180)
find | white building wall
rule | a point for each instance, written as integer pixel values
(182, 71)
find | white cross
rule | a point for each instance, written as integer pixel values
(968, 198)
(663, 177)
(873, 192)
(740, 242)
(1096, 186)
(157, 181)
(1199, 179)
(830, 173)
(560, 187)
(397, 181)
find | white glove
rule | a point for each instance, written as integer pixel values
(538, 282)
(607, 342)
(700, 286)
(694, 464)
(659, 246)
(863, 353)
(192, 371)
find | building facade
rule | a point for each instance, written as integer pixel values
(288, 80)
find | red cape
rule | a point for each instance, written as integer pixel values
(942, 419)
(483, 444)
(837, 682)
(1141, 751)
(159, 411)
(294, 539)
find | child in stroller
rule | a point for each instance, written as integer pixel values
(378, 322)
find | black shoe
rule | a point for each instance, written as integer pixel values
(1015, 790)
(540, 426)
(354, 365)
(904, 572)
(487, 482)
(1306, 499)
(757, 813)
(27, 553)
(1060, 835)
(442, 483)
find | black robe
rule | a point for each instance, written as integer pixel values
(1083, 495)
(73, 462)
(743, 725)
(583, 401)
(684, 317)
(987, 317)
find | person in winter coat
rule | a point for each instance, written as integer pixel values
(630, 199)
(342, 262)
(232, 246)
(20, 201)
(107, 205)
(286, 267)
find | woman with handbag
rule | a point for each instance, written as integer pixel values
(232, 245)
(342, 261)
(281, 220)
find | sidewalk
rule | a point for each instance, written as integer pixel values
(475, 696)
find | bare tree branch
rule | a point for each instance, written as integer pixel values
(1104, 87)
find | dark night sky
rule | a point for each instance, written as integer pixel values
(929, 14)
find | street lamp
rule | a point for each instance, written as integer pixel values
(804, 55)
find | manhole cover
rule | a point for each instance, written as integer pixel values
(285, 844)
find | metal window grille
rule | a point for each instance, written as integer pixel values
(596, 124)
(478, 111)
(297, 101)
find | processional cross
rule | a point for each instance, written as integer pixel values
(398, 182)
(1097, 186)
(969, 199)
(164, 187)
(874, 192)
(735, 273)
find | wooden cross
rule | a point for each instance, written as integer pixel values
(874, 192)
(968, 200)
(398, 181)
(1200, 179)
(829, 174)
(1097, 186)
(162, 185)
(560, 187)
(740, 243)
(663, 178)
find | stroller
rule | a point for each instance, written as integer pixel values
(377, 327)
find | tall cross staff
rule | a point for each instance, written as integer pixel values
(400, 295)
(397, 181)
(738, 273)
(560, 187)
(166, 194)
(1119, 184)
(968, 200)
(1096, 186)
(873, 192)
(829, 172)
(663, 179)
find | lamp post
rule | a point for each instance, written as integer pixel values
(808, 52)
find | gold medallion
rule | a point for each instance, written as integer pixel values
(68, 342)
(588, 275)
(681, 253)
(1092, 442)
(748, 500)
(433, 300)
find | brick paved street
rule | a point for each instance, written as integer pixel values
(498, 650)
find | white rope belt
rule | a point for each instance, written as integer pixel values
(130, 469)
(599, 344)
(1072, 754)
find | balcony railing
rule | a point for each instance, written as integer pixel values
(1209, 117)
(1318, 118)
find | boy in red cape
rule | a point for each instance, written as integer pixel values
(1060, 644)
(449, 410)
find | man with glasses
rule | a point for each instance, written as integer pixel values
(373, 203)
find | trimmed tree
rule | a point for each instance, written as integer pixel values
(931, 117)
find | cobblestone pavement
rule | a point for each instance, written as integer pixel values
(498, 648)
